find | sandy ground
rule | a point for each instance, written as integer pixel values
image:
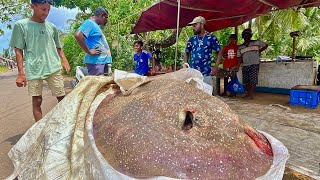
(298, 128)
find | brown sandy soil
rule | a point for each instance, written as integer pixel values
(290, 174)
(268, 99)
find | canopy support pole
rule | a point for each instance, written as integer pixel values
(236, 31)
(177, 37)
(118, 45)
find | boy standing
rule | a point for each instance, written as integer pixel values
(92, 40)
(141, 58)
(37, 42)
(230, 61)
(230, 53)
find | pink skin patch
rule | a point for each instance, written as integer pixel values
(260, 141)
(190, 109)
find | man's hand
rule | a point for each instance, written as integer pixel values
(21, 80)
(66, 66)
(235, 68)
(156, 68)
(225, 55)
(214, 70)
(94, 51)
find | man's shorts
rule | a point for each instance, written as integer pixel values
(250, 74)
(96, 69)
(55, 83)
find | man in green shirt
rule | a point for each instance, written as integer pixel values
(37, 42)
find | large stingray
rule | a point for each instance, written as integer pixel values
(170, 128)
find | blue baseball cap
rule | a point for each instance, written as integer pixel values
(42, 1)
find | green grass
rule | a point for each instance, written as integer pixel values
(3, 69)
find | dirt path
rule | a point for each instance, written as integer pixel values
(16, 115)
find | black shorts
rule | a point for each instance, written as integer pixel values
(250, 74)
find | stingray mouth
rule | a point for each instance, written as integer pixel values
(188, 119)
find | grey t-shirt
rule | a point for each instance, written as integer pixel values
(250, 54)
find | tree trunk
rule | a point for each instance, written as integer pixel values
(171, 40)
(250, 24)
(236, 31)
(152, 43)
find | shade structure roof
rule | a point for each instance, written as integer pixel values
(219, 14)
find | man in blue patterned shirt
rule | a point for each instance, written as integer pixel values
(200, 47)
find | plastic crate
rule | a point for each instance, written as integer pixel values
(306, 98)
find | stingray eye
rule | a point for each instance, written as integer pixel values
(188, 121)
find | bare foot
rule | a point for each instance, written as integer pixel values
(247, 97)
(223, 94)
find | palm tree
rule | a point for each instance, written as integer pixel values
(276, 26)
(309, 42)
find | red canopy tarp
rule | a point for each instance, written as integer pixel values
(219, 14)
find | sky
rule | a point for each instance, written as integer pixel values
(58, 16)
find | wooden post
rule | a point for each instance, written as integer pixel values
(177, 38)
(294, 35)
(236, 31)
(293, 48)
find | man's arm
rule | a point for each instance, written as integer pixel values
(151, 57)
(263, 48)
(80, 39)
(219, 58)
(239, 58)
(153, 64)
(65, 63)
(186, 57)
(239, 63)
(216, 67)
(187, 51)
(21, 79)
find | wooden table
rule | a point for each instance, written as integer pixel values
(223, 73)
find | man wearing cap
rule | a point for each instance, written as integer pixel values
(200, 47)
(249, 54)
(92, 40)
(36, 42)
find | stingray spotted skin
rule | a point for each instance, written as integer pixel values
(169, 128)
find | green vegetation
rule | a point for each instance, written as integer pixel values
(3, 69)
(273, 28)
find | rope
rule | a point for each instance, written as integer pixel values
(231, 17)
(267, 3)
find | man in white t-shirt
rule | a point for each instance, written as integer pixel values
(249, 54)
